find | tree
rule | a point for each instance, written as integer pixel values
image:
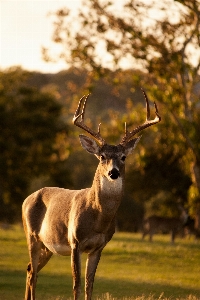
(30, 123)
(161, 38)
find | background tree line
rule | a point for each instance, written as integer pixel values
(160, 38)
(40, 146)
(162, 42)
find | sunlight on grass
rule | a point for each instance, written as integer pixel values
(107, 296)
(129, 269)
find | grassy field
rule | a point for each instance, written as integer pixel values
(129, 269)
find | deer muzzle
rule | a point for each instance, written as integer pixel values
(114, 173)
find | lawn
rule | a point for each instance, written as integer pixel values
(129, 269)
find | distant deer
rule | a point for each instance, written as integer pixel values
(154, 224)
(69, 222)
(190, 228)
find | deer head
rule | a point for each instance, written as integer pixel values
(112, 157)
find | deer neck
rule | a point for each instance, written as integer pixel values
(106, 196)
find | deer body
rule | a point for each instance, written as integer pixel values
(69, 222)
(154, 224)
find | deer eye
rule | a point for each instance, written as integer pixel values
(123, 158)
(102, 157)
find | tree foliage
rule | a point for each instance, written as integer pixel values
(30, 126)
(162, 39)
(37, 151)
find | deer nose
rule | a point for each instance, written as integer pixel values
(114, 173)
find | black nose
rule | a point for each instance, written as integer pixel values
(114, 174)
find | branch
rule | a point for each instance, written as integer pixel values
(185, 135)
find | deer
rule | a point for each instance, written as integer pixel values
(70, 222)
(174, 225)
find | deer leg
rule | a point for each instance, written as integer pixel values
(145, 232)
(45, 256)
(76, 271)
(91, 266)
(34, 253)
(173, 234)
(28, 290)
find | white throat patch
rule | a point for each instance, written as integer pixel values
(111, 187)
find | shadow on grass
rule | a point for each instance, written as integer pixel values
(124, 288)
(12, 286)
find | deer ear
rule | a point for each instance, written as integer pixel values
(89, 144)
(130, 146)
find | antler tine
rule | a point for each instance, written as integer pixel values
(147, 105)
(129, 135)
(77, 112)
(125, 128)
(80, 114)
(99, 128)
(84, 107)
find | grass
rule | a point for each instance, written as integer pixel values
(130, 269)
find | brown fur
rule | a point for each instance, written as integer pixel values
(154, 224)
(68, 222)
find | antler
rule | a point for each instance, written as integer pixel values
(147, 123)
(80, 114)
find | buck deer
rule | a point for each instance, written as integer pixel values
(154, 224)
(69, 222)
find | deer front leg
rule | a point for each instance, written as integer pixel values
(91, 266)
(76, 271)
(34, 252)
(28, 289)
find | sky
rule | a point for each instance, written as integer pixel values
(24, 29)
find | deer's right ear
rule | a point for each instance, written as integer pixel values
(89, 144)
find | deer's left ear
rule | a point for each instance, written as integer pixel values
(89, 144)
(130, 146)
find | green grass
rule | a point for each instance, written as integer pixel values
(129, 269)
